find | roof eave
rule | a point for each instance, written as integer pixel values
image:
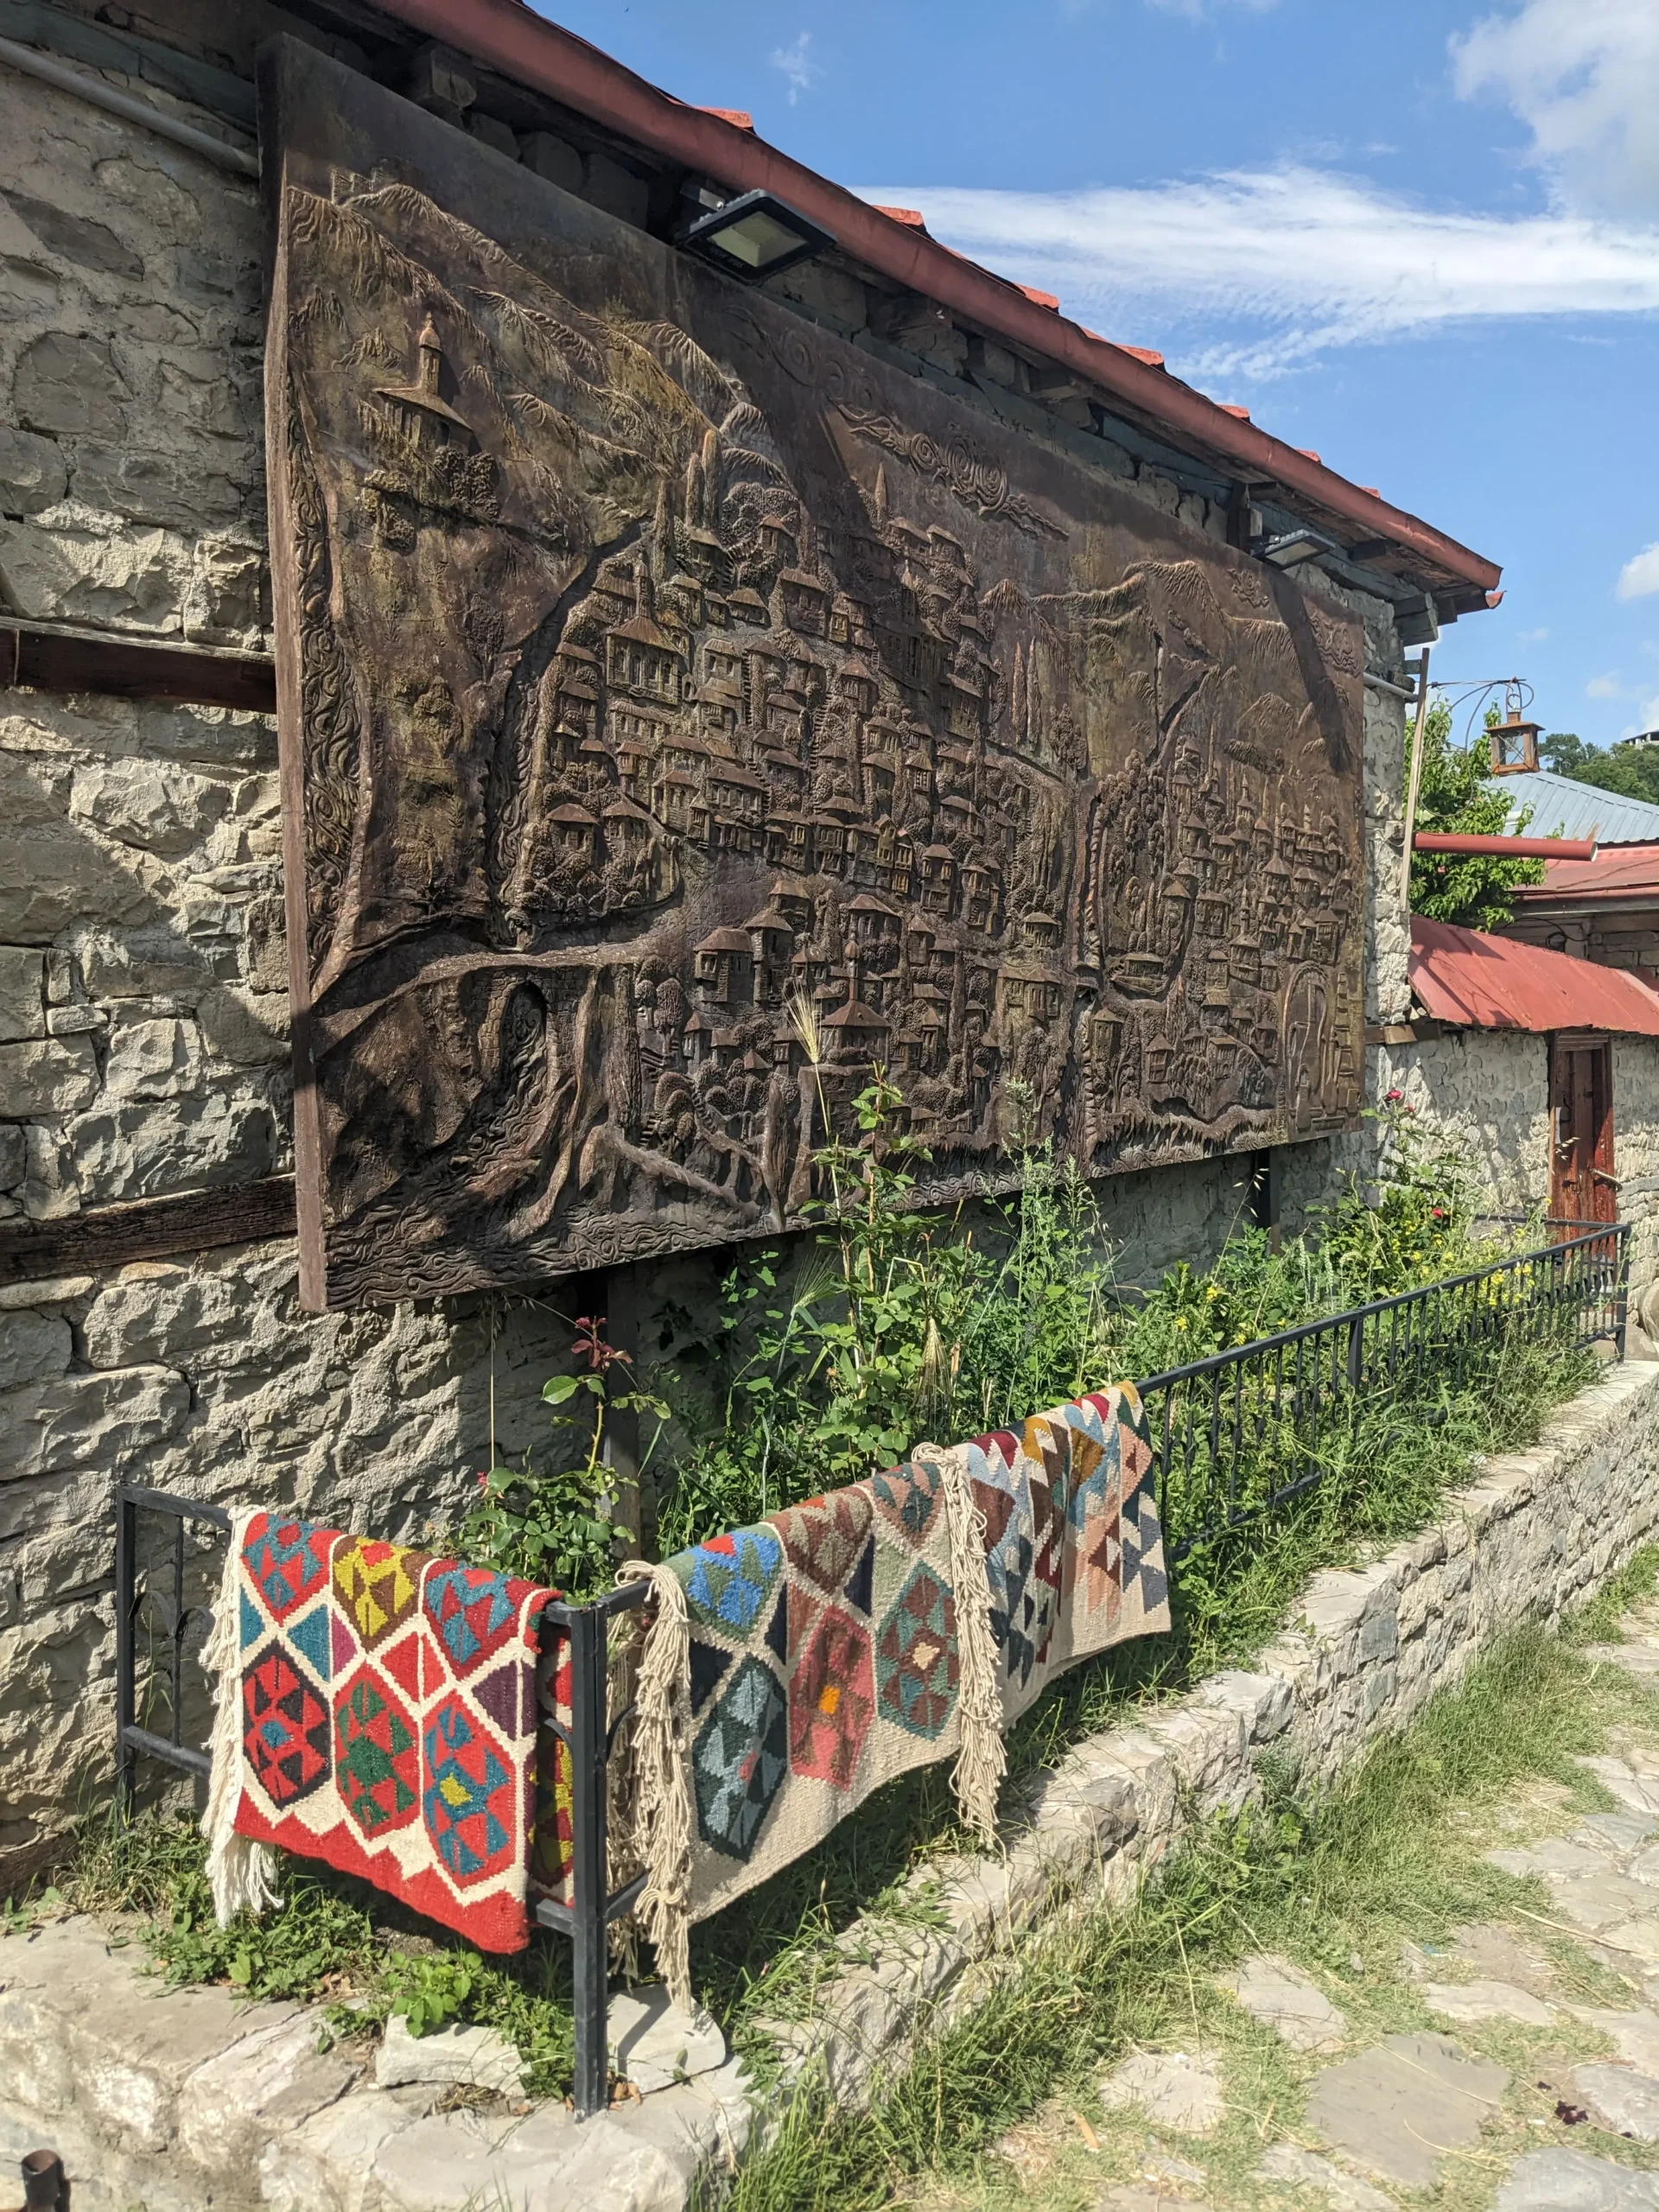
(506, 36)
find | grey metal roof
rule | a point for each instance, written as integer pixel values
(1576, 809)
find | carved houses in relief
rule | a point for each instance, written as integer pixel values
(695, 778)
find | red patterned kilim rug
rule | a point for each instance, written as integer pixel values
(378, 1709)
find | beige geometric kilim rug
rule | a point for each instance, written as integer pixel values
(796, 1666)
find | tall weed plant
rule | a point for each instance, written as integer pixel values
(901, 1324)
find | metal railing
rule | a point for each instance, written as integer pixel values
(132, 1596)
(589, 1740)
(1234, 1436)
(1244, 1431)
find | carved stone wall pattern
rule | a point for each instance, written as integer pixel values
(683, 711)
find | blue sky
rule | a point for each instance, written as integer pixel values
(1419, 236)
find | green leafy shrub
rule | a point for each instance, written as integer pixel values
(902, 1323)
(554, 1527)
(430, 1988)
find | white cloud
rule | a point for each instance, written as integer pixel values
(1583, 76)
(1531, 637)
(1602, 687)
(799, 73)
(1639, 577)
(1311, 258)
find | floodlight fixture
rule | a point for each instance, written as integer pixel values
(1290, 547)
(754, 236)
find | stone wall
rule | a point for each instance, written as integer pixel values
(1635, 1160)
(143, 970)
(1487, 1090)
(143, 1048)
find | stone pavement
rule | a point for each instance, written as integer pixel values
(1530, 2082)
(187, 2101)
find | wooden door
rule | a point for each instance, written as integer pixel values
(1582, 1182)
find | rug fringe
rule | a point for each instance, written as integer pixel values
(240, 1873)
(981, 1760)
(662, 1790)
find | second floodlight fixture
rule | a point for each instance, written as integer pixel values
(754, 236)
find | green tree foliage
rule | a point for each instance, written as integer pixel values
(1458, 793)
(1633, 772)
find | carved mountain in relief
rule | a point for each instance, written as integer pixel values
(682, 712)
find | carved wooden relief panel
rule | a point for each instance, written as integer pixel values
(683, 710)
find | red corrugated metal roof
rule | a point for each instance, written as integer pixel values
(1478, 981)
(1616, 872)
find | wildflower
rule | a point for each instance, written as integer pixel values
(1393, 1099)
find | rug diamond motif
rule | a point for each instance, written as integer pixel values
(288, 1561)
(377, 1756)
(824, 1537)
(909, 1500)
(730, 1578)
(467, 1794)
(377, 1586)
(472, 1611)
(740, 1759)
(917, 1665)
(285, 1728)
(831, 1700)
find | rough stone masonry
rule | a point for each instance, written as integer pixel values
(143, 1046)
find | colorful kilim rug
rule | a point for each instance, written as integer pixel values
(825, 1654)
(379, 1708)
(1074, 1547)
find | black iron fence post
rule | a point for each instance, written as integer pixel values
(44, 2187)
(126, 1759)
(589, 1740)
(130, 1736)
(588, 1934)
